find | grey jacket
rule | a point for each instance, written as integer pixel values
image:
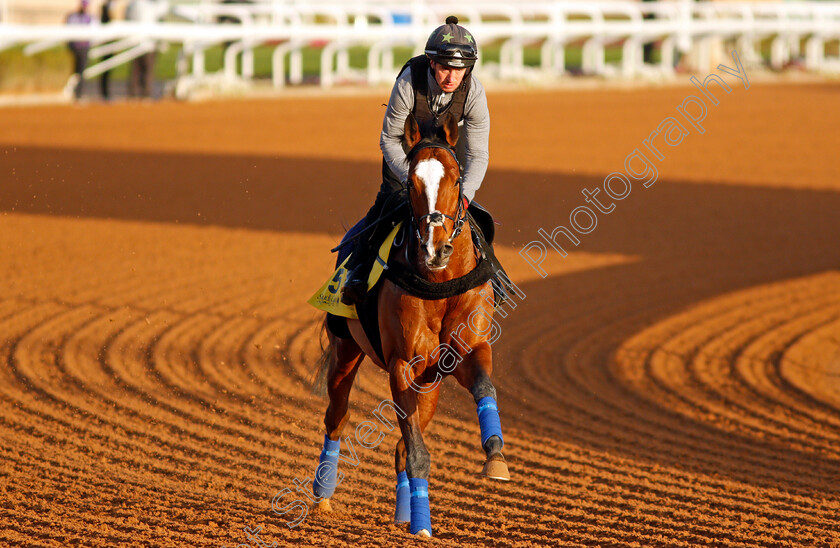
(475, 127)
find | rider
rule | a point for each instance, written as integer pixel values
(429, 86)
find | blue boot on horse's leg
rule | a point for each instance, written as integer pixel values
(402, 514)
(491, 439)
(421, 515)
(326, 475)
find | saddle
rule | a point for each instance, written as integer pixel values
(327, 298)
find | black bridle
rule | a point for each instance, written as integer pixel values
(436, 217)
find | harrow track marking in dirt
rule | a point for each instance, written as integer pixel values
(732, 363)
(547, 383)
(530, 359)
(154, 377)
(810, 367)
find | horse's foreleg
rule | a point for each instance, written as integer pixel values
(402, 509)
(347, 356)
(474, 375)
(417, 406)
(427, 403)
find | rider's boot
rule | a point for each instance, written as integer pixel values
(355, 288)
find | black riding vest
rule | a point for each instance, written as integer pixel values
(426, 119)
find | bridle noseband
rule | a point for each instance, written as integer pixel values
(436, 217)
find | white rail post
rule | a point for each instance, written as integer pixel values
(278, 64)
(327, 77)
(631, 54)
(556, 43)
(374, 72)
(198, 65)
(667, 53)
(296, 66)
(278, 69)
(593, 60)
(248, 59)
(814, 52)
(779, 51)
(231, 54)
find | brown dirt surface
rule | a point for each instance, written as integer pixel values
(674, 382)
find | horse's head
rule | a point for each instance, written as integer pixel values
(434, 190)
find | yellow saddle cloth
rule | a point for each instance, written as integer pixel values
(328, 298)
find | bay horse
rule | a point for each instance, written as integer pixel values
(422, 339)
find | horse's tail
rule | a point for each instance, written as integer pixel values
(319, 378)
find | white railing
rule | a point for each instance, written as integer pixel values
(289, 26)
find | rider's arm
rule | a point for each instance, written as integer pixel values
(393, 126)
(477, 134)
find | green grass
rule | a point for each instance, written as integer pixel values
(50, 69)
(358, 58)
(214, 57)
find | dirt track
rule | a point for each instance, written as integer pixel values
(675, 381)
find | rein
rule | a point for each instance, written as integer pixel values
(436, 217)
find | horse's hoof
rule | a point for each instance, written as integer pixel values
(424, 533)
(496, 468)
(323, 506)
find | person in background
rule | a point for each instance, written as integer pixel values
(104, 80)
(79, 48)
(141, 83)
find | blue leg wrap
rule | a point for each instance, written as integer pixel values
(421, 516)
(488, 419)
(325, 475)
(403, 511)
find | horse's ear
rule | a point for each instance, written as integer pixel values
(450, 131)
(412, 131)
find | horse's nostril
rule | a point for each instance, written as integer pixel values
(446, 250)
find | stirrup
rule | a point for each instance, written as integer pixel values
(503, 295)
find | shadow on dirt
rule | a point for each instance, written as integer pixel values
(696, 242)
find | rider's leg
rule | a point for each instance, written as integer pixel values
(358, 265)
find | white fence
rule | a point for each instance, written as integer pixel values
(289, 26)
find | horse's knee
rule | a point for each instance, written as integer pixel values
(418, 463)
(483, 387)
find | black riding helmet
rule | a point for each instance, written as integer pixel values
(452, 45)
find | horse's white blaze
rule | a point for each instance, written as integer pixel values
(430, 172)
